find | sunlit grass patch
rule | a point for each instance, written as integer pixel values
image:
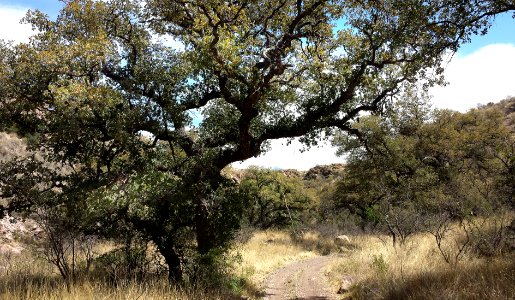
(416, 270)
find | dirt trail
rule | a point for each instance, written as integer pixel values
(300, 281)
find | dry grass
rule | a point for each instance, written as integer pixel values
(53, 288)
(377, 269)
(159, 289)
(269, 250)
(26, 276)
(416, 270)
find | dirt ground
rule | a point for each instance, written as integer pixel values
(300, 281)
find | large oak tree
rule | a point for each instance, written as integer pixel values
(129, 126)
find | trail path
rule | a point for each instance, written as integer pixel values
(300, 281)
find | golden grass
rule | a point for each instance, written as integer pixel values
(378, 270)
(27, 276)
(159, 289)
(416, 270)
(269, 250)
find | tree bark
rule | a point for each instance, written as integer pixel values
(205, 239)
(206, 231)
(173, 261)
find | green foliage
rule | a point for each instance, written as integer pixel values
(109, 106)
(380, 265)
(273, 199)
(415, 164)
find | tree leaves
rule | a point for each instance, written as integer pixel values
(432, 161)
(105, 100)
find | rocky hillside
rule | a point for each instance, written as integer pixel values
(507, 106)
(324, 172)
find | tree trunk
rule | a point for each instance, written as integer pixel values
(204, 229)
(206, 241)
(174, 267)
(173, 261)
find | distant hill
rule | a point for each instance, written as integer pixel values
(507, 106)
(318, 172)
(324, 171)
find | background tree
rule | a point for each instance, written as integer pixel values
(100, 94)
(415, 164)
(274, 200)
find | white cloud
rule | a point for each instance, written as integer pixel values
(483, 76)
(480, 77)
(10, 27)
(284, 156)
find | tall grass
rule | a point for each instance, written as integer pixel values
(270, 250)
(88, 289)
(27, 276)
(376, 269)
(416, 270)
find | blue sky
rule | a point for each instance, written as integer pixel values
(481, 72)
(502, 31)
(50, 7)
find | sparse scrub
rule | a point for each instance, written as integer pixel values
(490, 236)
(416, 270)
(29, 276)
(452, 240)
(483, 237)
(376, 268)
(70, 251)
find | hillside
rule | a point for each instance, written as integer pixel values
(507, 106)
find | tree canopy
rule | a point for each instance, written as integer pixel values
(114, 109)
(415, 164)
(273, 199)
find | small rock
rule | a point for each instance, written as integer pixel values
(342, 240)
(345, 285)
